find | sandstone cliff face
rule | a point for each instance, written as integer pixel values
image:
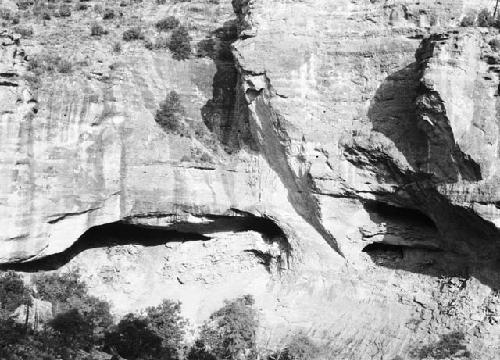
(352, 185)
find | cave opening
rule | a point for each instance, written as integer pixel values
(400, 214)
(380, 247)
(126, 233)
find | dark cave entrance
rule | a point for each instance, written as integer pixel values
(126, 233)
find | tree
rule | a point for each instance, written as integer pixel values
(13, 293)
(167, 323)
(231, 331)
(485, 19)
(60, 288)
(16, 344)
(180, 43)
(74, 329)
(169, 115)
(68, 294)
(300, 347)
(199, 352)
(133, 339)
(96, 313)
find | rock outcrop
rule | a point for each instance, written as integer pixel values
(341, 167)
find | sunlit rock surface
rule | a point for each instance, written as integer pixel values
(345, 175)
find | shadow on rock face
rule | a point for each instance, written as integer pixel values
(226, 114)
(411, 241)
(414, 118)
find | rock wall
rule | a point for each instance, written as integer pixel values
(348, 178)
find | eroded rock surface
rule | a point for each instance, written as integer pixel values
(349, 178)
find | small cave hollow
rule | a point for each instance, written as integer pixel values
(400, 214)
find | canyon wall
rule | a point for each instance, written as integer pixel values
(341, 167)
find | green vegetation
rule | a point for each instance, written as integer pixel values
(171, 112)
(117, 47)
(78, 324)
(168, 23)
(158, 335)
(13, 293)
(64, 10)
(482, 19)
(81, 327)
(97, 29)
(180, 43)
(161, 42)
(230, 332)
(452, 345)
(24, 31)
(45, 62)
(300, 347)
(108, 14)
(207, 48)
(133, 33)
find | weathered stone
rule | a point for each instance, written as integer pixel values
(341, 171)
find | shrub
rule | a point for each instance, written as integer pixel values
(495, 44)
(468, 20)
(206, 47)
(108, 14)
(449, 346)
(169, 115)
(168, 23)
(180, 43)
(24, 31)
(148, 44)
(23, 5)
(485, 18)
(300, 347)
(230, 331)
(98, 8)
(206, 158)
(5, 14)
(196, 9)
(131, 34)
(117, 47)
(64, 10)
(64, 66)
(97, 30)
(161, 42)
